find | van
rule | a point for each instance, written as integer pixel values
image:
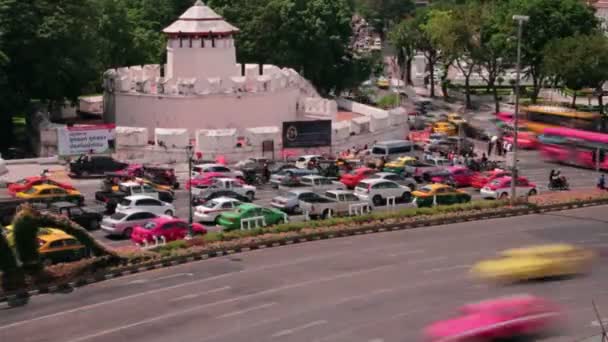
(393, 149)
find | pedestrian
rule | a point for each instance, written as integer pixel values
(601, 182)
(499, 147)
(491, 144)
(484, 159)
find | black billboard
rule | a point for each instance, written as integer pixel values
(297, 134)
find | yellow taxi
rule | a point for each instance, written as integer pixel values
(156, 186)
(398, 165)
(382, 83)
(535, 262)
(54, 245)
(456, 119)
(439, 194)
(51, 193)
(444, 127)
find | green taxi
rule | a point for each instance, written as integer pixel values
(267, 217)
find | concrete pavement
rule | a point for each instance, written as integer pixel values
(382, 287)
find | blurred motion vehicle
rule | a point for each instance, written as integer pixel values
(535, 262)
(289, 201)
(456, 119)
(439, 194)
(398, 165)
(54, 245)
(304, 162)
(515, 318)
(444, 127)
(575, 147)
(169, 228)
(525, 140)
(88, 166)
(254, 163)
(210, 211)
(122, 223)
(26, 183)
(481, 179)
(46, 193)
(332, 203)
(353, 178)
(397, 178)
(161, 176)
(267, 217)
(378, 191)
(457, 176)
(500, 188)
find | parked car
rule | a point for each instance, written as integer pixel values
(457, 176)
(440, 194)
(232, 220)
(210, 211)
(289, 201)
(277, 178)
(313, 183)
(481, 179)
(535, 262)
(398, 165)
(304, 161)
(228, 184)
(87, 217)
(202, 199)
(169, 228)
(377, 191)
(145, 203)
(397, 178)
(332, 203)
(500, 188)
(26, 183)
(54, 245)
(436, 137)
(254, 163)
(208, 179)
(501, 319)
(356, 176)
(50, 193)
(132, 188)
(122, 223)
(88, 166)
(200, 169)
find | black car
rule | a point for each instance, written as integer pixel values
(87, 166)
(87, 217)
(198, 200)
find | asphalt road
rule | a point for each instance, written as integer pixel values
(381, 287)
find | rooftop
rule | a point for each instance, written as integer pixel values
(200, 20)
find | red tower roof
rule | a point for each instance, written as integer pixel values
(200, 20)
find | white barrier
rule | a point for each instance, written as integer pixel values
(158, 241)
(391, 201)
(359, 209)
(255, 220)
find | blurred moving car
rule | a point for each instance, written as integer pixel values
(26, 183)
(146, 203)
(353, 178)
(500, 188)
(535, 262)
(50, 193)
(210, 211)
(440, 194)
(169, 228)
(122, 223)
(444, 127)
(481, 179)
(267, 217)
(502, 319)
(456, 119)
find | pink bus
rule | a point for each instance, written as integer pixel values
(575, 147)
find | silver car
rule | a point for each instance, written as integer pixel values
(122, 223)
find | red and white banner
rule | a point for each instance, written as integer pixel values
(96, 139)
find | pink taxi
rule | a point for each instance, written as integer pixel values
(497, 320)
(169, 228)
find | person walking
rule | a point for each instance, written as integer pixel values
(601, 182)
(499, 147)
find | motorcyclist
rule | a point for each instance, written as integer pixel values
(556, 180)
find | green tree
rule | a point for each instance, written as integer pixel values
(383, 14)
(578, 62)
(403, 39)
(549, 20)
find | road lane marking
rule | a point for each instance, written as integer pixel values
(195, 295)
(296, 329)
(450, 268)
(228, 301)
(240, 312)
(146, 280)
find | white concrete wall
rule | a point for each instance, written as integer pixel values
(360, 108)
(216, 140)
(131, 136)
(212, 111)
(201, 62)
(172, 138)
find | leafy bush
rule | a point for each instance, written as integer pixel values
(388, 101)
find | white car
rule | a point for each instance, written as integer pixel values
(377, 191)
(229, 184)
(122, 223)
(212, 209)
(500, 188)
(200, 169)
(146, 203)
(302, 162)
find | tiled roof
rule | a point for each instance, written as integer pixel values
(200, 19)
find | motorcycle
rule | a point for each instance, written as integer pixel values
(559, 184)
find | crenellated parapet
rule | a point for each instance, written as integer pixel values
(147, 79)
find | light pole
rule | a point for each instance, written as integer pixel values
(521, 19)
(190, 154)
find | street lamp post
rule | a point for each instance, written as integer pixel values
(190, 154)
(521, 19)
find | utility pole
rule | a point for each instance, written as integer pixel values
(521, 19)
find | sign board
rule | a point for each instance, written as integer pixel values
(298, 134)
(96, 139)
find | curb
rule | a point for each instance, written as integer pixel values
(366, 229)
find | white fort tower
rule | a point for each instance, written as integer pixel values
(202, 87)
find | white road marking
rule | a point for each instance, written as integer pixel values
(416, 251)
(240, 312)
(296, 329)
(442, 269)
(194, 295)
(146, 280)
(227, 301)
(597, 323)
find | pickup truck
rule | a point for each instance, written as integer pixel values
(130, 189)
(313, 183)
(87, 217)
(289, 202)
(222, 184)
(332, 203)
